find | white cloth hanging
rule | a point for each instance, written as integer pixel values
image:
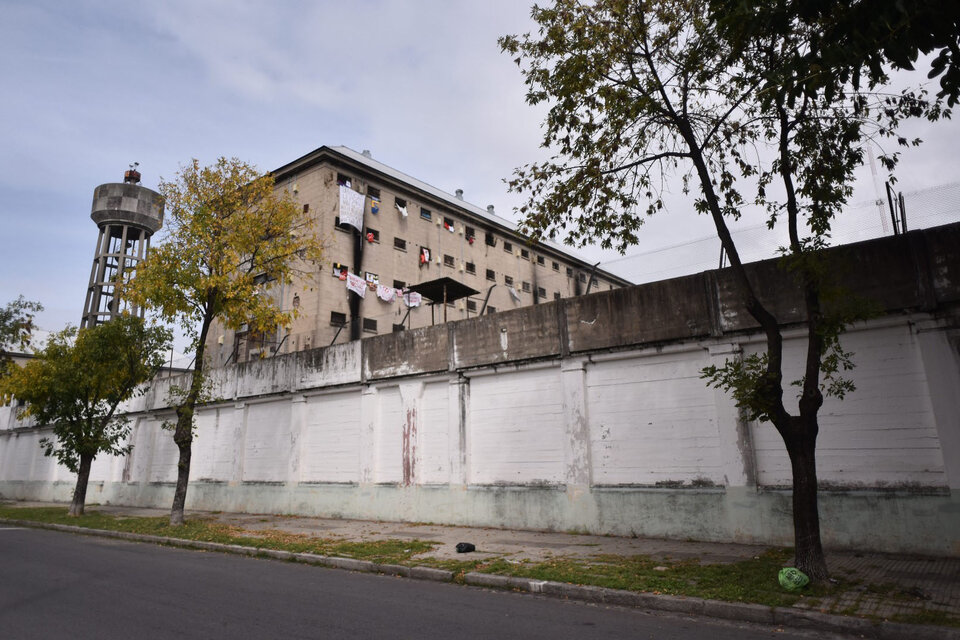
(385, 293)
(351, 207)
(356, 284)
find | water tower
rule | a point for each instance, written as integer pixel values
(127, 215)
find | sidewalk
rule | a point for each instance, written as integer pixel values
(888, 585)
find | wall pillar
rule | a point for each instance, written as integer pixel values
(576, 445)
(239, 420)
(737, 457)
(127, 473)
(369, 417)
(940, 355)
(458, 399)
(298, 419)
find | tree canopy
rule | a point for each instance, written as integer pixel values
(16, 326)
(855, 42)
(230, 235)
(76, 383)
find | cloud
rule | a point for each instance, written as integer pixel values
(92, 85)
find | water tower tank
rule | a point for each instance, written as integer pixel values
(127, 214)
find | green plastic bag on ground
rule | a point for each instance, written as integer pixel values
(792, 579)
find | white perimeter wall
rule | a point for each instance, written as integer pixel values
(622, 443)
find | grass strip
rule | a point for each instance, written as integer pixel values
(390, 551)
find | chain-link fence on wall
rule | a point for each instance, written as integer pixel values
(862, 221)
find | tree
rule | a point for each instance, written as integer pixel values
(228, 232)
(77, 381)
(639, 90)
(16, 325)
(855, 42)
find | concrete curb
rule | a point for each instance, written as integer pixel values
(736, 611)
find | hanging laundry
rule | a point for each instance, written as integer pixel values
(424, 256)
(402, 210)
(514, 294)
(412, 299)
(351, 207)
(385, 293)
(356, 284)
(340, 270)
(374, 205)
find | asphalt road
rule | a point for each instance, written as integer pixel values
(61, 585)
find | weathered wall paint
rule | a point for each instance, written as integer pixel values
(597, 423)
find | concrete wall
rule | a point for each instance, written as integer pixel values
(585, 414)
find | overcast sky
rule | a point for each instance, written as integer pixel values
(92, 86)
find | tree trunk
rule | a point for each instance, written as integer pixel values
(801, 442)
(80, 491)
(183, 437)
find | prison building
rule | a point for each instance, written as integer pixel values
(416, 254)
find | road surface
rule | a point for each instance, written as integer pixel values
(62, 585)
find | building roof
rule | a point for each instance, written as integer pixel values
(443, 290)
(377, 167)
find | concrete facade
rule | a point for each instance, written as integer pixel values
(584, 414)
(444, 224)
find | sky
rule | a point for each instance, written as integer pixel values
(90, 87)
